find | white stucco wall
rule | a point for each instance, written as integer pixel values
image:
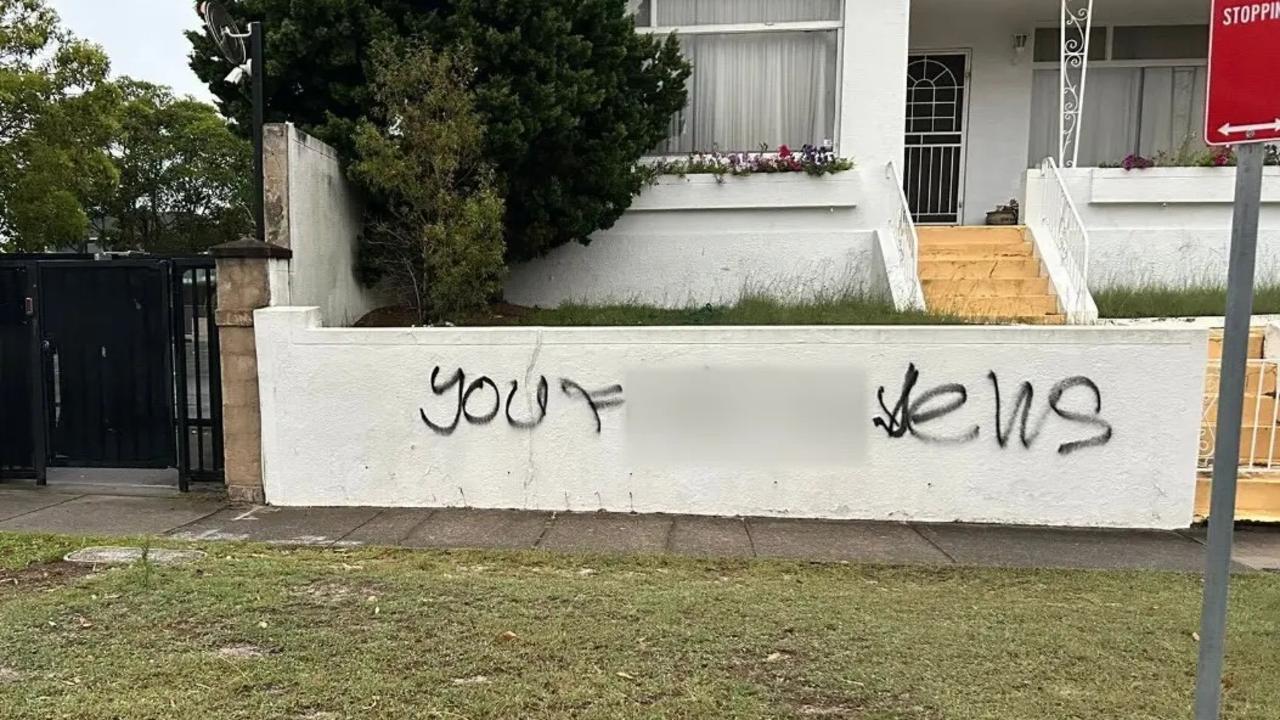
(1165, 226)
(694, 240)
(315, 212)
(873, 81)
(781, 423)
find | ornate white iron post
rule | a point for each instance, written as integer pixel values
(1077, 21)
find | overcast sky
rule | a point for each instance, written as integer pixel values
(143, 37)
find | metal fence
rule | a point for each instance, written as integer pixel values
(1059, 217)
(1261, 417)
(110, 361)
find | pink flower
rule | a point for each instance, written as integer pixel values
(784, 151)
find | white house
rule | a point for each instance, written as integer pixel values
(957, 102)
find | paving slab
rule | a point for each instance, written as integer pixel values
(124, 555)
(390, 527)
(114, 515)
(22, 501)
(832, 540)
(479, 529)
(1007, 546)
(608, 533)
(1257, 548)
(281, 525)
(710, 537)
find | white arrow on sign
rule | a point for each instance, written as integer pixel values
(1230, 129)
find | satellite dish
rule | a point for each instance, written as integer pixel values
(224, 31)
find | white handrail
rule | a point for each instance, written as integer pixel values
(906, 237)
(1060, 217)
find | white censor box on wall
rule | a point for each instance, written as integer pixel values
(1243, 110)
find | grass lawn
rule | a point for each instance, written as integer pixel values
(254, 632)
(748, 311)
(841, 309)
(1157, 301)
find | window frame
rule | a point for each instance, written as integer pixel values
(1108, 63)
(759, 27)
(1107, 60)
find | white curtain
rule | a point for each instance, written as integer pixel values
(749, 89)
(1126, 110)
(715, 12)
(1173, 102)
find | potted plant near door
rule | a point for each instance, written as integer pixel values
(1004, 214)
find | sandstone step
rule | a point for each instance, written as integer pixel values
(1257, 495)
(978, 269)
(1258, 445)
(1255, 344)
(1259, 378)
(1019, 306)
(967, 251)
(988, 288)
(1055, 319)
(977, 233)
(1258, 409)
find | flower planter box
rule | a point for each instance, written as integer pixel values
(729, 192)
(1174, 185)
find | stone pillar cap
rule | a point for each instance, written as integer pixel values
(250, 248)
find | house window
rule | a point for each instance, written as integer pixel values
(1145, 95)
(764, 71)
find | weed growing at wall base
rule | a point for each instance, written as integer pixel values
(750, 310)
(1173, 301)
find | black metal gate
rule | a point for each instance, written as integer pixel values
(937, 114)
(198, 378)
(109, 363)
(17, 336)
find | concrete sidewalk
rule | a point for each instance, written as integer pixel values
(196, 517)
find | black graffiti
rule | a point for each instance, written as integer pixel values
(1028, 433)
(606, 398)
(908, 414)
(472, 403)
(541, 399)
(458, 379)
(1024, 401)
(479, 384)
(1091, 419)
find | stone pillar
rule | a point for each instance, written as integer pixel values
(246, 269)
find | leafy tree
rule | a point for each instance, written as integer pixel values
(319, 60)
(185, 177)
(435, 234)
(569, 94)
(57, 113)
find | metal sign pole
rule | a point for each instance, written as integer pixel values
(258, 71)
(1226, 449)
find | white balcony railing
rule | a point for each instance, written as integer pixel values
(907, 241)
(1060, 218)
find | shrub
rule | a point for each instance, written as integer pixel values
(434, 234)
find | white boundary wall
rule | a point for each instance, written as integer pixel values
(343, 420)
(313, 210)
